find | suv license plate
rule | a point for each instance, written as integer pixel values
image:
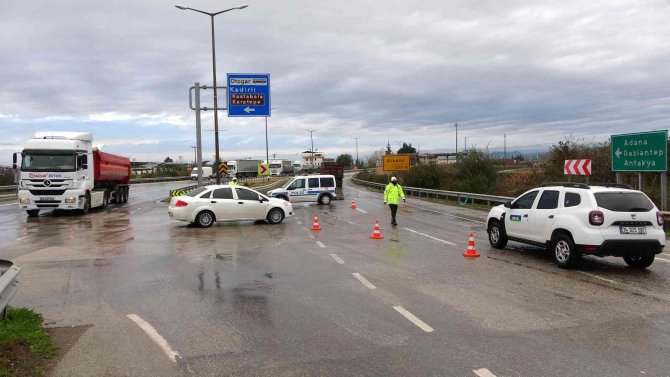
(632, 230)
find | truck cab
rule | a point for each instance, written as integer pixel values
(62, 170)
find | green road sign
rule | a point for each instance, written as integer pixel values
(641, 152)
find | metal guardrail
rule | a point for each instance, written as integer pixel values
(9, 284)
(262, 189)
(461, 197)
(132, 180)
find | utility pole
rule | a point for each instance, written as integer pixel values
(195, 153)
(505, 149)
(465, 147)
(456, 125)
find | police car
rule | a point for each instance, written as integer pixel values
(310, 188)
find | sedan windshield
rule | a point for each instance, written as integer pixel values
(64, 161)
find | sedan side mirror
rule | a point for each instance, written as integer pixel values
(508, 204)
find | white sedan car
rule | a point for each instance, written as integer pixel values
(212, 203)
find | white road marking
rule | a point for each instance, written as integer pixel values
(337, 259)
(598, 277)
(321, 245)
(412, 318)
(155, 336)
(363, 280)
(483, 372)
(22, 238)
(663, 260)
(431, 237)
(10, 204)
(358, 209)
(299, 222)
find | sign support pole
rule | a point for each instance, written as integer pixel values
(198, 137)
(664, 191)
(639, 181)
(618, 178)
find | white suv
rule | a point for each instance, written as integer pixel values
(575, 219)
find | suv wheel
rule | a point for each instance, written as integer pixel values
(563, 251)
(639, 261)
(497, 236)
(205, 219)
(275, 216)
(325, 199)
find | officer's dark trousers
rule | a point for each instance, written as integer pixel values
(394, 210)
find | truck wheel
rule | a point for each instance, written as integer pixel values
(105, 199)
(639, 261)
(87, 204)
(205, 219)
(275, 216)
(125, 194)
(563, 251)
(32, 212)
(115, 195)
(497, 236)
(325, 199)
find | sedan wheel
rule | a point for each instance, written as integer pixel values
(275, 216)
(205, 219)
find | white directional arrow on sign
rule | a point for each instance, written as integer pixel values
(249, 109)
(618, 153)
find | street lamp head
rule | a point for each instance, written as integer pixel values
(180, 7)
(242, 6)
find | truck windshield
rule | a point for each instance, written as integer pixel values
(49, 161)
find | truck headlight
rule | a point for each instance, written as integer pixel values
(71, 199)
(23, 200)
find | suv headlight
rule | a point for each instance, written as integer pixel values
(24, 200)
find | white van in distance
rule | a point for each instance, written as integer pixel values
(308, 188)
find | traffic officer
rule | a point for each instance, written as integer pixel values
(392, 195)
(233, 182)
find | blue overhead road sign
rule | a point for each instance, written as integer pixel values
(248, 95)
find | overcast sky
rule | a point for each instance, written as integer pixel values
(400, 71)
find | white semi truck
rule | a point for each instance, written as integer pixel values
(62, 170)
(279, 167)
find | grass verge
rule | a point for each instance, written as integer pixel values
(25, 346)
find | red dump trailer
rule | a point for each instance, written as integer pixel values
(111, 173)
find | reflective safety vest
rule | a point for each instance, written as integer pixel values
(393, 193)
(232, 183)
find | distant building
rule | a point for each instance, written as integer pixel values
(437, 158)
(312, 160)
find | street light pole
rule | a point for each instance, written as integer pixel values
(311, 132)
(216, 104)
(357, 150)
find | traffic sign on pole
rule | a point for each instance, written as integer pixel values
(248, 95)
(577, 167)
(641, 152)
(263, 169)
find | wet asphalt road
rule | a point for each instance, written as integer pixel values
(257, 299)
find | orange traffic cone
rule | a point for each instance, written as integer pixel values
(471, 252)
(353, 203)
(315, 224)
(376, 233)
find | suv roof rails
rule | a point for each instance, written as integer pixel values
(615, 185)
(567, 184)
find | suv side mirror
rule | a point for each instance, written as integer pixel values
(508, 204)
(15, 160)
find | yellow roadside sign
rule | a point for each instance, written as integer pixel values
(396, 162)
(223, 168)
(263, 169)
